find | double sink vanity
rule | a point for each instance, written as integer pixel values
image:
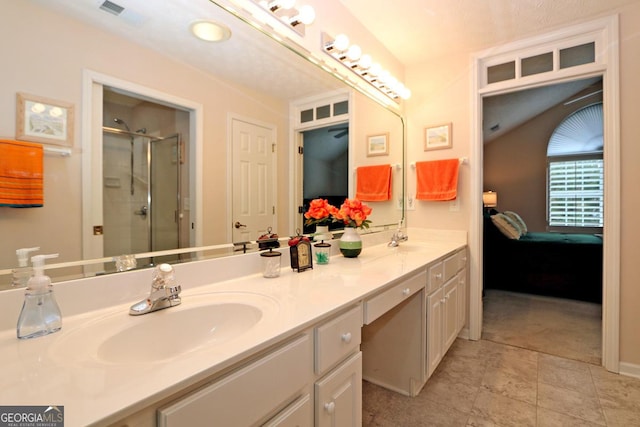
(242, 349)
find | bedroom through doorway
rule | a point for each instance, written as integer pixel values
(544, 295)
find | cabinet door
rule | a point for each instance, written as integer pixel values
(435, 302)
(339, 395)
(450, 313)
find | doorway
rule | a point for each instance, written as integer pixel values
(154, 111)
(602, 37)
(325, 167)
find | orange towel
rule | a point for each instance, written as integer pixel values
(373, 183)
(21, 183)
(437, 180)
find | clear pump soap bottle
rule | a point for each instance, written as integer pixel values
(40, 313)
(22, 274)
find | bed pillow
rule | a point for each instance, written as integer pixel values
(506, 226)
(517, 219)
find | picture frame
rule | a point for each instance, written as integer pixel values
(438, 137)
(44, 120)
(378, 145)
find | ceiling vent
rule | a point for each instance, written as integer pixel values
(111, 7)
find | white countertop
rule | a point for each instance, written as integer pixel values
(56, 369)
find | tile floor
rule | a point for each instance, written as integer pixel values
(571, 329)
(485, 383)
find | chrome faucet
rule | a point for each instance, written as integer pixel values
(164, 293)
(398, 236)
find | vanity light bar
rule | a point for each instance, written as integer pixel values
(351, 56)
(285, 10)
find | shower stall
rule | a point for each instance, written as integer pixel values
(141, 191)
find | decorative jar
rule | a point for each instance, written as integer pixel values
(350, 243)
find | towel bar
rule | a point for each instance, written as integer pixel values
(462, 160)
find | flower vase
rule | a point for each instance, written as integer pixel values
(350, 243)
(322, 233)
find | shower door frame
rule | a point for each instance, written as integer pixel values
(148, 153)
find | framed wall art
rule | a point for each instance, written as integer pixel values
(44, 120)
(437, 137)
(378, 145)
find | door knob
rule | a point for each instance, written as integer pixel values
(238, 225)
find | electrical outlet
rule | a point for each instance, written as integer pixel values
(399, 206)
(454, 205)
(411, 203)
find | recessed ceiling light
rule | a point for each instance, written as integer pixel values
(210, 31)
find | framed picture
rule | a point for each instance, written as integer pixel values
(378, 145)
(44, 120)
(437, 137)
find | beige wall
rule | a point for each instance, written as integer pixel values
(48, 58)
(515, 164)
(441, 93)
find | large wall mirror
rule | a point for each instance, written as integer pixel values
(158, 117)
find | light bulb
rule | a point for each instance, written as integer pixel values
(392, 82)
(306, 15)
(375, 69)
(406, 93)
(384, 76)
(354, 52)
(341, 43)
(365, 61)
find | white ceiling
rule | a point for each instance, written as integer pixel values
(421, 30)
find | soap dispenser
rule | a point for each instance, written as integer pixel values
(22, 274)
(40, 313)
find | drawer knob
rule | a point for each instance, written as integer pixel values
(346, 337)
(443, 300)
(406, 291)
(438, 275)
(330, 407)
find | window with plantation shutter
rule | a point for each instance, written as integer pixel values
(576, 196)
(575, 193)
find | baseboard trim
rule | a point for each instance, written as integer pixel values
(630, 369)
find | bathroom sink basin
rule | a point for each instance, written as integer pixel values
(169, 333)
(205, 320)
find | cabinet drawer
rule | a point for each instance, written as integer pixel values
(453, 264)
(436, 277)
(450, 267)
(263, 385)
(380, 304)
(298, 414)
(337, 338)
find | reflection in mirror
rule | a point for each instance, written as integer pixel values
(247, 77)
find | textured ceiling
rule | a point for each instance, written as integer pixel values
(420, 30)
(248, 58)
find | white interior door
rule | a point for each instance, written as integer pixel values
(253, 207)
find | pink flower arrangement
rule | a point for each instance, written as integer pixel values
(353, 213)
